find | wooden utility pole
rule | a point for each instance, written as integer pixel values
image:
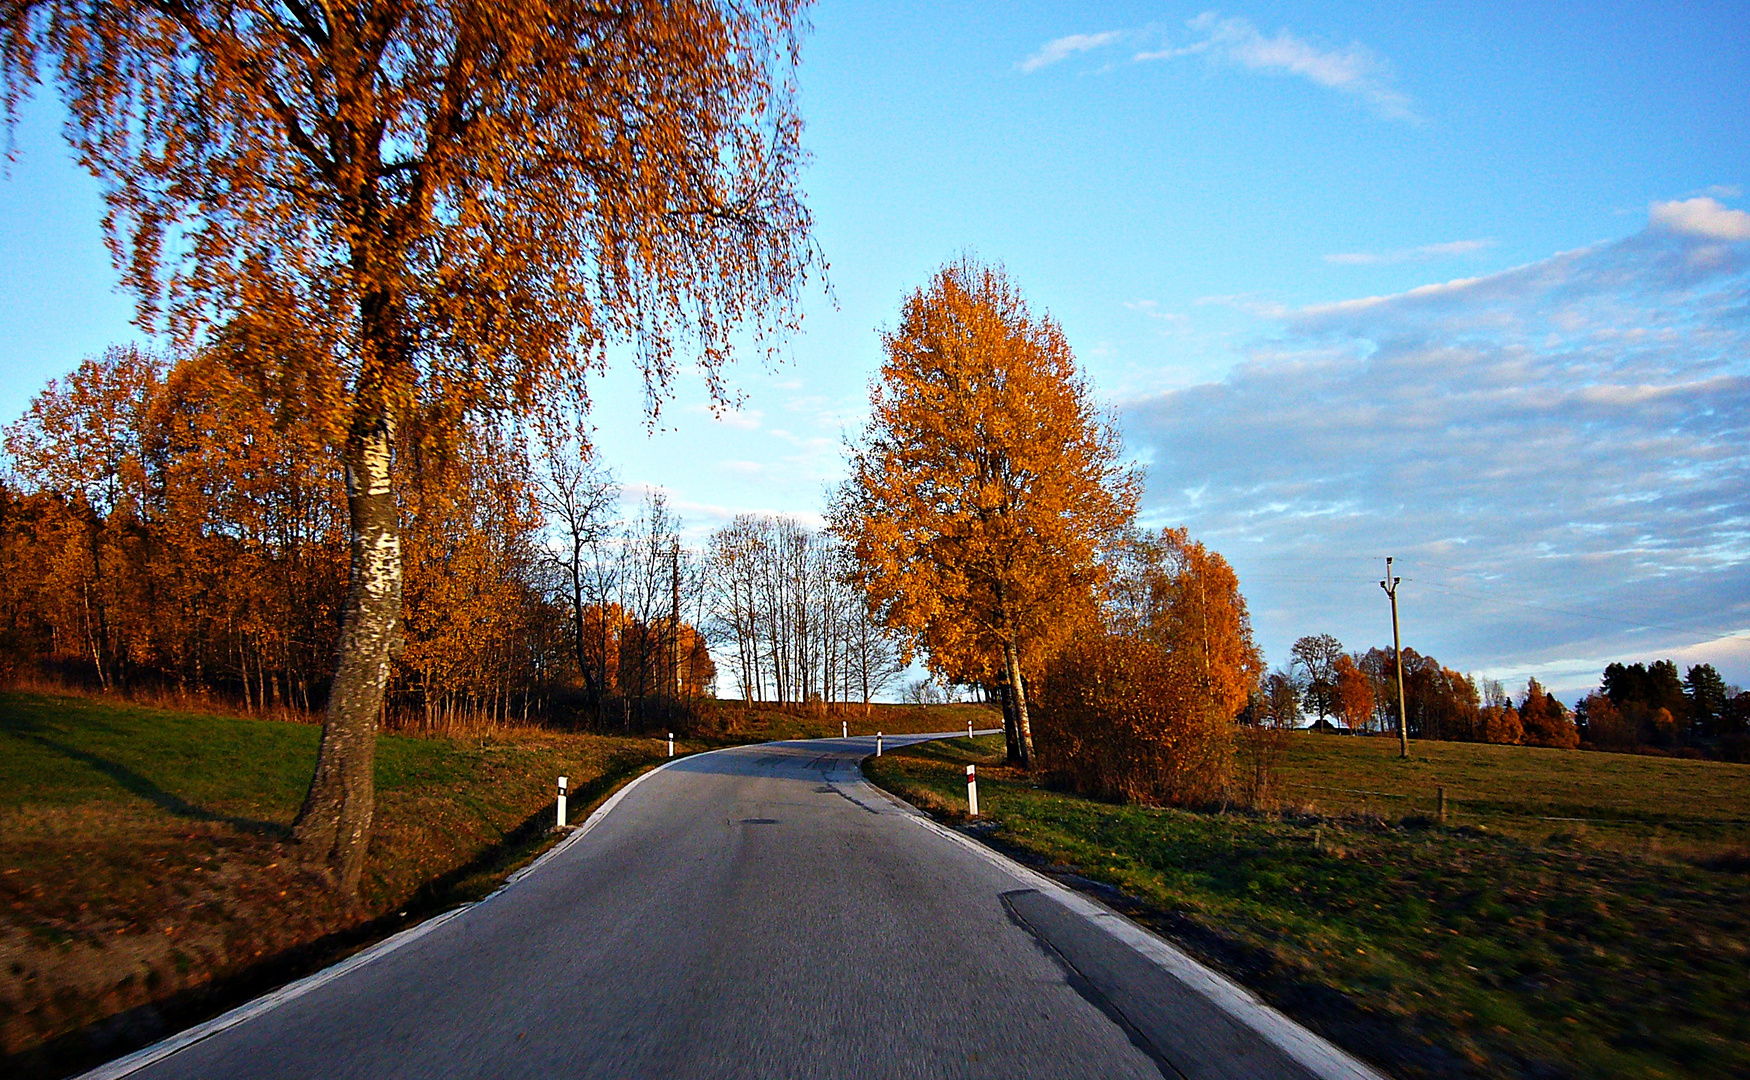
(1390, 585)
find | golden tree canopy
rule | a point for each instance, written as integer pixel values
(456, 202)
(1178, 594)
(987, 480)
(409, 211)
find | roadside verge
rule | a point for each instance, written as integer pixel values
(1198, 1020)
(140, 1059)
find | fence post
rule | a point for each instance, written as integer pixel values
(972, 789)
(1442, 801)
(561, 807)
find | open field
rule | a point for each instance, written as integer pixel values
(1623, 801)
(144, 879)
(1498, 945)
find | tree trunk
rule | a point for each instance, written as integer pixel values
(1011, 732)
(334, 825)
(1019, 690)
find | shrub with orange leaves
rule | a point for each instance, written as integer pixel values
(1126, 720)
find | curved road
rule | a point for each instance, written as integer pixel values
(754, 912)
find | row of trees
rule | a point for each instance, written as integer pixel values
(1638, 706)
(165, 530)
(1646, 706)
(1361, 690)
(789, 619)
(444, 216)
(990, 521)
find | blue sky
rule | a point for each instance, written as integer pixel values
(1467, 287)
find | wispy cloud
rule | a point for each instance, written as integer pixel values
(1425, 253)
(1559, 455)
(1353, 69)
(1063, 48)
(1703, 217)
(699, 519)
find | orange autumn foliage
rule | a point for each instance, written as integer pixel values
(1128, 721)
(448, 211)
(1175, 592)
(171, 533)
(984, 485)
(1500, 725)
(1143, 707)
(1354, 694)
(1546, 721)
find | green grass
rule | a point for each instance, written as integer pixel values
(1623, 801)
(144, 855)
(1435, 952)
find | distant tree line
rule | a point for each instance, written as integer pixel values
(163, 529)
(1643, 708)
(789, 618)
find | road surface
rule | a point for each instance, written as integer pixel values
(753, 912)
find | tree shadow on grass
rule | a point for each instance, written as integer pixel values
(142, 1025)
(168, 801)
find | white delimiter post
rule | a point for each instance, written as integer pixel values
(671, 744)
(877, 744)
(969, 728)
(972, 789)
(844, 729)
(561, 812)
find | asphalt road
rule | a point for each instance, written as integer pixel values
(755, 912)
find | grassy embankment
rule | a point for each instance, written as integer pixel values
(1506, 942)
(144, 877)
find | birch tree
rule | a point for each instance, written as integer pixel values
(986, 482)
(450, 208)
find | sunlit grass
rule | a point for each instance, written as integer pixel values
(1434, 951)
(143, 850)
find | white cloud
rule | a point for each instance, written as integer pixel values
(1063, 48)
(1149, 55)
(1362, 303)
(1416, 254)
(1703, 217)
(1559, 455)
(1354, 70)
(699, 519)
(748, 420)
